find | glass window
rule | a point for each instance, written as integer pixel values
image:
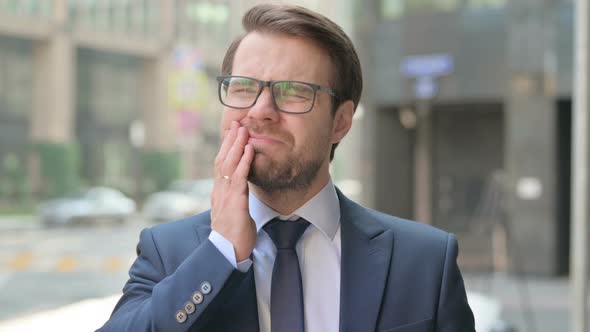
(17, 81)
(392, 9)
(114, 87)
(13, 6)
(151, 17)
(431, 5)
(2, 80)
(483, 4)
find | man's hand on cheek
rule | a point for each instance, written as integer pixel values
(230, 215)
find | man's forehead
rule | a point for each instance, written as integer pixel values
(280, 54)
(266, 45)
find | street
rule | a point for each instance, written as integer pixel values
(531, 304)
(42, 269)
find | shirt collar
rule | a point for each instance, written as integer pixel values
(322, 211)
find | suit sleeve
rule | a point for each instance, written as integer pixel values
(153, 297)
(454, 313)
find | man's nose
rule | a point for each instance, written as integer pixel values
(264, 108)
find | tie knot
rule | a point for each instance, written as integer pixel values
(285, 234)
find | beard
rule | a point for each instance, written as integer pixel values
(291, 174)
(295, 172)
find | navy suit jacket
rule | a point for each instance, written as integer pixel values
(396, 276)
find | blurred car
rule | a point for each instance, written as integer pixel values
(200, 190)
(182, 199)
(169, 205)
(94, 204)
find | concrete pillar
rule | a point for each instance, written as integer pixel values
(53, 110)
(159, 120)
(53, 87)
(531, 129)
(530, 163)
(364, 39)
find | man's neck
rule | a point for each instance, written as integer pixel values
(287, 201)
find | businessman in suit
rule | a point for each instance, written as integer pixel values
(282, 249)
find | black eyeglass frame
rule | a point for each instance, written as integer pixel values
(270, 84)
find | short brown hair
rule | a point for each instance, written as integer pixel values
(346, 81)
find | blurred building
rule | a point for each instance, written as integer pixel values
(84, 95)
(119, 93)
(471, 115)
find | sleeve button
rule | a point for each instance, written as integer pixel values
(206, 288)
(181, 316)
(197, 297)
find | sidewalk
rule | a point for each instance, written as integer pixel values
(531, 304)
(87, 315)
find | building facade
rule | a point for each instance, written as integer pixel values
(117, 93)
(475, 139)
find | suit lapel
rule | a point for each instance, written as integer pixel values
(366, 257)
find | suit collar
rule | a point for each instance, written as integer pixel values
(322, 211)
(366, 257)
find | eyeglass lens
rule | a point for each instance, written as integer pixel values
(289, 96)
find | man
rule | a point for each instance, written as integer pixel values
(289, 88)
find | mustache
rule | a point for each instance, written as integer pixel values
(274, 132)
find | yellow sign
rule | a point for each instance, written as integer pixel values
(188, 90)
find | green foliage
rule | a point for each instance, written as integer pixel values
(160, 167)
(59, 167)
(14, 184)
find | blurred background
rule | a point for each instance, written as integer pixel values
(109, 123)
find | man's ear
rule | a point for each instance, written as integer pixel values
(342, 121)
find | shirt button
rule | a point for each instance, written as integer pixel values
(189, 307)
(197, 297)
(181, 316)
(206, 288)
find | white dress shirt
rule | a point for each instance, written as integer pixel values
(318, 250)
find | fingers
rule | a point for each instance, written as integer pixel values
(235, 153)
(240, 177)
(228, 141)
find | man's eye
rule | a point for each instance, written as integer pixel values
(242, 89)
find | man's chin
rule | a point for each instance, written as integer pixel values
(263, 163)
(266, 174)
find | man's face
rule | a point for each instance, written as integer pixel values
(290, 149)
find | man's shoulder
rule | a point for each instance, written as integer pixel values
(412, 239)
(408, 230)
(374, 222)
(199, 222)
(407, 226)
(174, 241)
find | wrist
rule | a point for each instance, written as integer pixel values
(242, 255)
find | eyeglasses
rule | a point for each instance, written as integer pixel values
(288, 96)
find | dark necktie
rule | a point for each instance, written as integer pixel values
(286, 295)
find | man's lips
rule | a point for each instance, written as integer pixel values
(261, 139)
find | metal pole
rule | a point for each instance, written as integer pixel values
(579, 229)
(423, 162)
